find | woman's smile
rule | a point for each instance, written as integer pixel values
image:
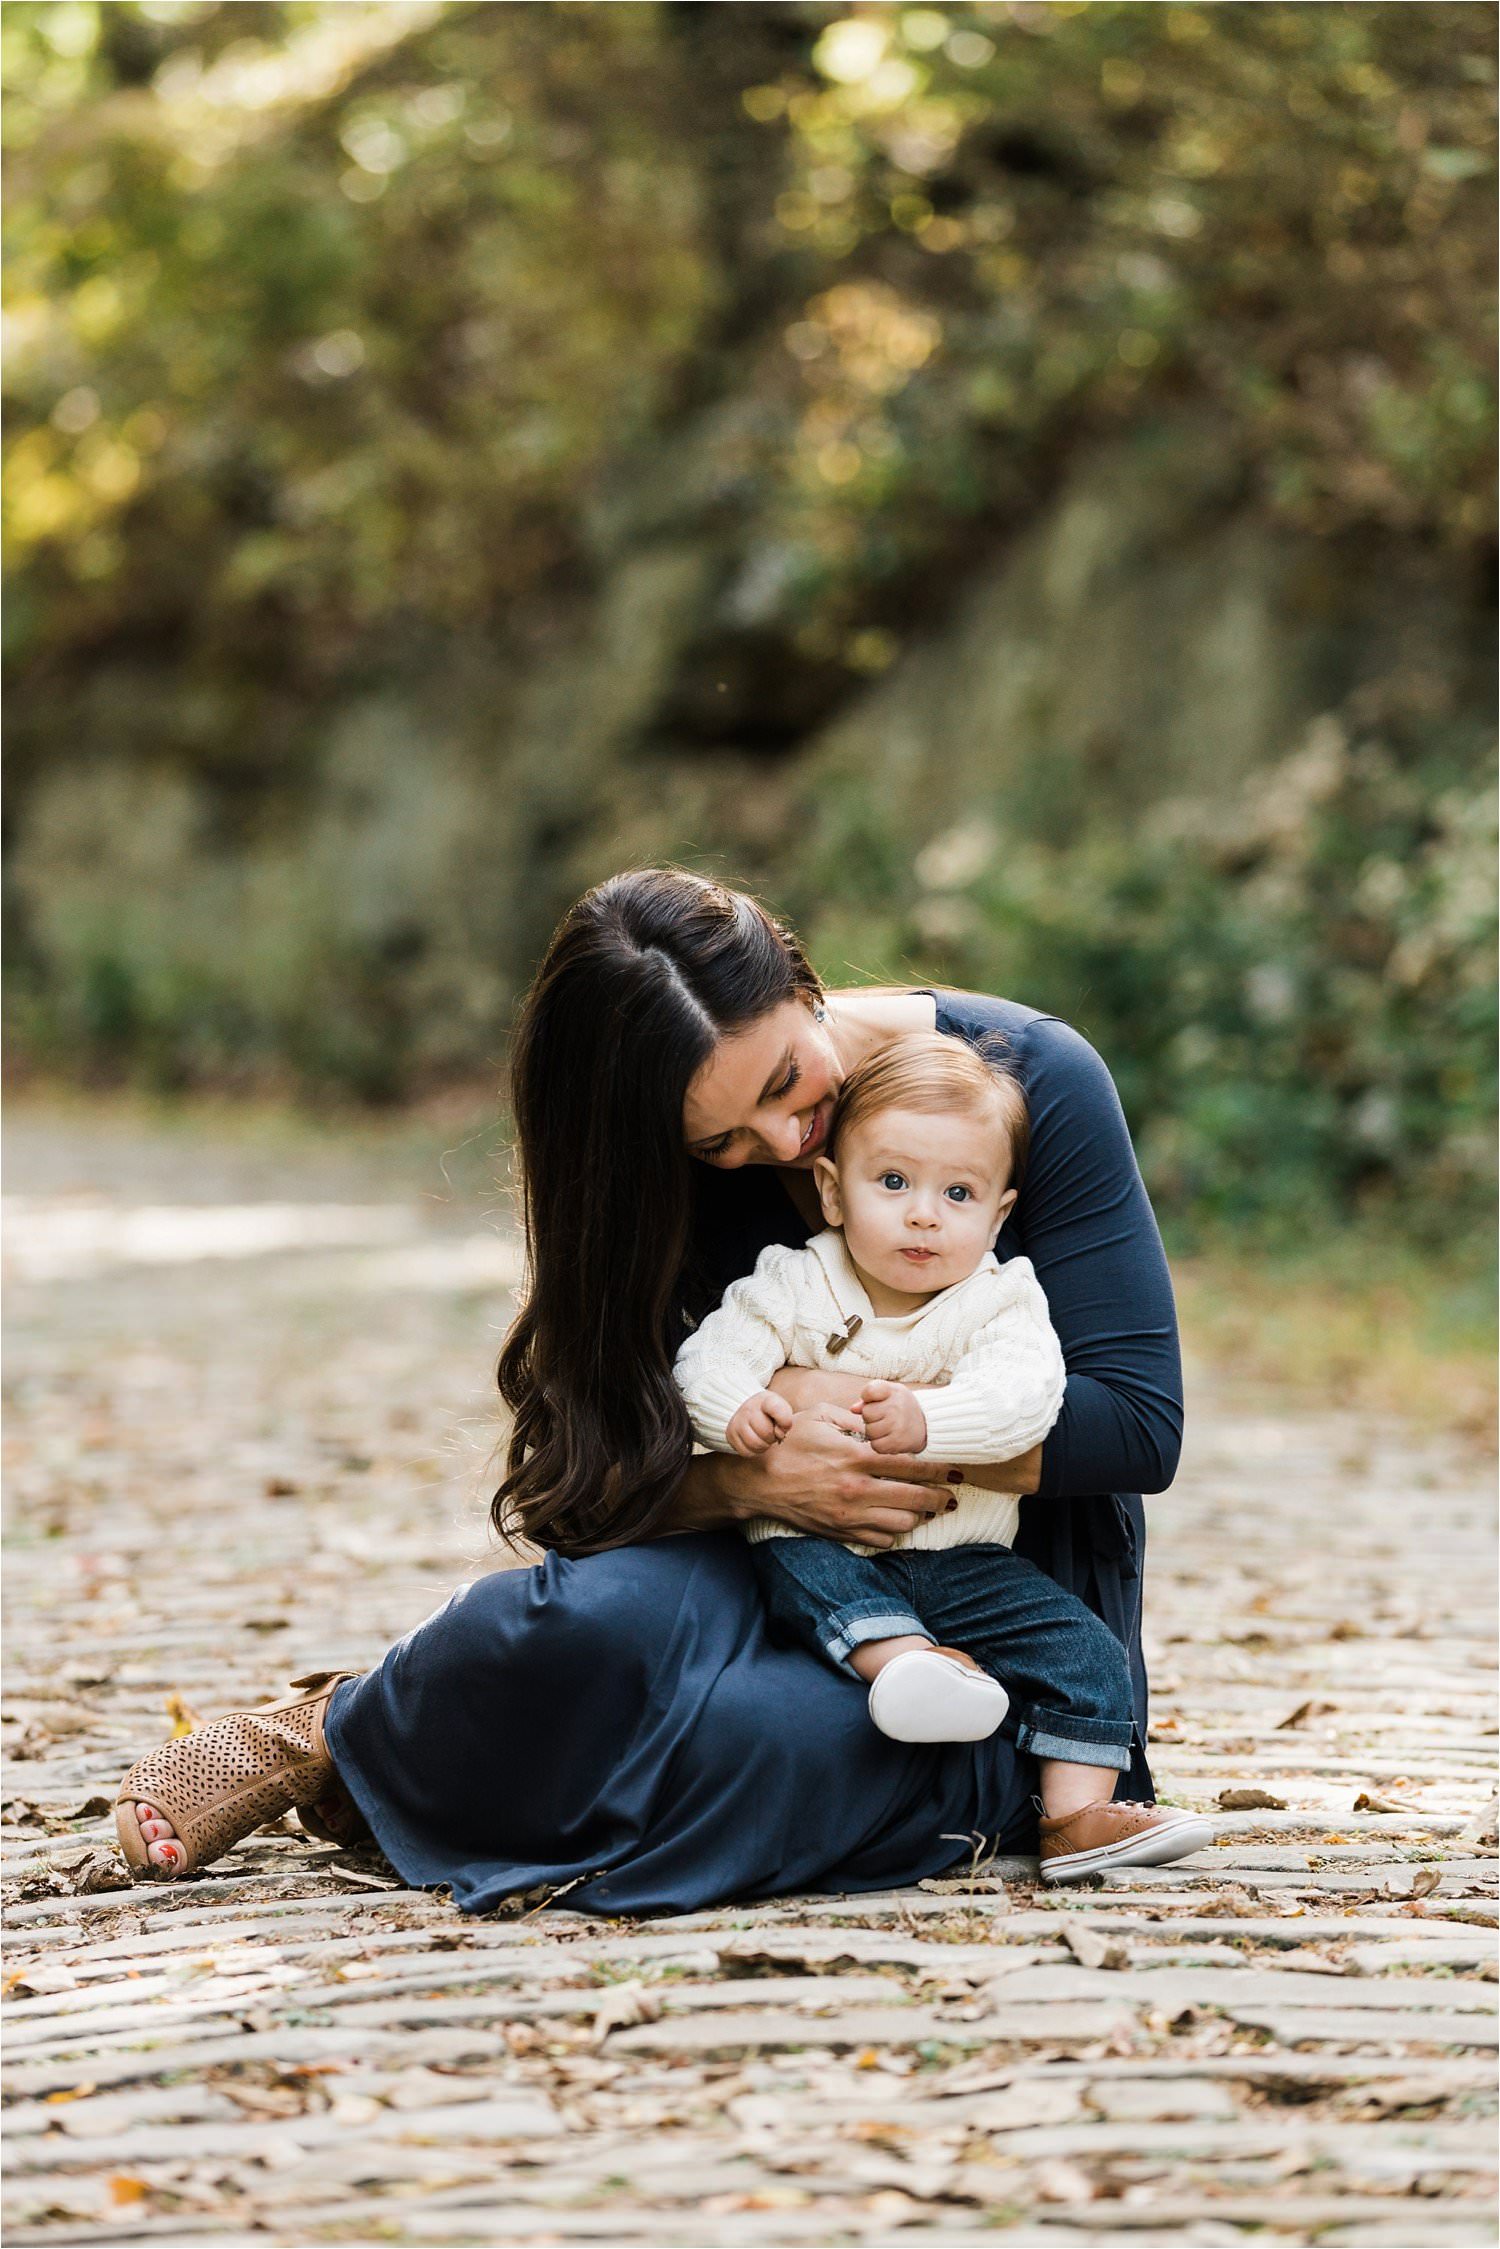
(817, 1129)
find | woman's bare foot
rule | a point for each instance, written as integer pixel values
(160, 1837)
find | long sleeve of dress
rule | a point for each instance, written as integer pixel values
(735, 1349)
(1088, 1228)
(1006, 1388)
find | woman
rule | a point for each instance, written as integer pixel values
(616, 1719)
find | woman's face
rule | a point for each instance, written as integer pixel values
(765, 1096)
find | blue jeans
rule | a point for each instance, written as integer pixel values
(1065, 1671)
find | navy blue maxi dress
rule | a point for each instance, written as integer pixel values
(625, 1723)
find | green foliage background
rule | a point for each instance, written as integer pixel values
(367, 361)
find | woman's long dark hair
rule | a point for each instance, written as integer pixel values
(641, 980)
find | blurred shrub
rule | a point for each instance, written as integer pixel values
(1019, 223)
(329, 321)
(323, 320)
(1294, 991)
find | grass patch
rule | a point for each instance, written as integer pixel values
(1349, 1318)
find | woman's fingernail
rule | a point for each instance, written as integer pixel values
(955, 1475)
(948, 1510)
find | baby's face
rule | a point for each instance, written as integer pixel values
(920, 1198)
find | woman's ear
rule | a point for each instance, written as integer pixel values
(826, 1176)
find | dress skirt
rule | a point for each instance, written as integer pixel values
(626, 1724)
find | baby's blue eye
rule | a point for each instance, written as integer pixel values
(893, 1180)
(960, 1194)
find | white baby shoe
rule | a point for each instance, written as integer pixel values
(933, 1694)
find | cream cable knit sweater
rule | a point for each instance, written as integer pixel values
(988, 1341)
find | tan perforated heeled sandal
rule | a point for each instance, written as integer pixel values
(334, 1817)
(218, 1784)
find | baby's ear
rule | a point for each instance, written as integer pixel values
(1007, 1205)
(826, 1175)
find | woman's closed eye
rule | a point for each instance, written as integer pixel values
(717, 1149)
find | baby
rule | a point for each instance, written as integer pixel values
(958, 1358)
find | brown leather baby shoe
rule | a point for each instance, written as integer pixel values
(1105, 1835)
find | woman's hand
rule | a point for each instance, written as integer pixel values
(1023, 1474)
(824, 1479)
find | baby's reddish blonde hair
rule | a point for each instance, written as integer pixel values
(936, 1075)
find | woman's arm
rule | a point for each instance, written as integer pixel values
(1085, 1222)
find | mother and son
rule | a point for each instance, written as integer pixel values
(887, 1258)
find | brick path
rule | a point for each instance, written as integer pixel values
(234, 1457)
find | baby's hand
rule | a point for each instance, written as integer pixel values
(760, 1423)
(894, 1421)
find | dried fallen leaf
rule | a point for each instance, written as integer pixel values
(124, 2188)
(1425, 1881)
(33, 1983)
(624, 2005)
(1061, 2182)
(184, 1719)
(1365, 1802)
(766, 2198)
(878, 2130)
(1305, 1713)
(95, 1871)
(266, 2100)
(1398, 2093)
(1249, 1800)
(1091, 1948)
(1233, 1903)
(1483, 1827)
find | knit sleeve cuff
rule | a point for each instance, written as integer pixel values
(715, 1394)
(972, 1428)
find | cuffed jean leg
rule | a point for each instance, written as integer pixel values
(829, 1599)
(1066, 1673)
(1076, 1741)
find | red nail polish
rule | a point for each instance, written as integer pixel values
(955, 1475)
(948, 1510)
